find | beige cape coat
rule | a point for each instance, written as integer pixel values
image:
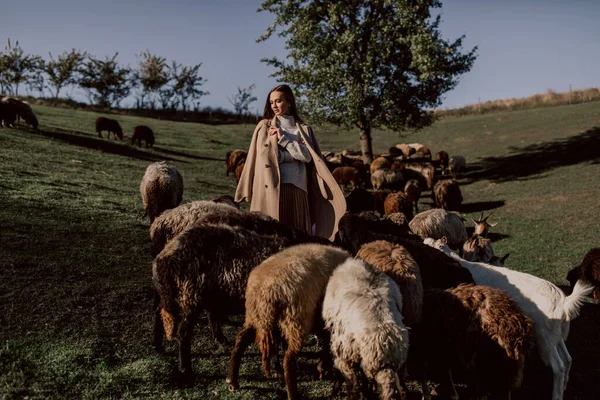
(259, 182)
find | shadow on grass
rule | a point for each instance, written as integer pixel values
(181, 154)
(537, 158)
(480, 206)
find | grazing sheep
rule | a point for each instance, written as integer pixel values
(437, 223)
(22, 109)
(436, 271)
(447, 195)
(478, 249)
(110, 125)
(8, 115)
(233, 159)
(423, 172)
(456, 165)
(588, 271)
(413, 192)
(548, 307)
(482, 227)
(362, 310)
(161, 189)
(398, 202)
(480, 327)
(142, 132)
(347, 175)
(395, 260)
(379, 163)
(359, 200)
(283, 300)
(388, 179)
(443, 158)
(205, 268)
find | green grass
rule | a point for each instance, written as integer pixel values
(75, 280)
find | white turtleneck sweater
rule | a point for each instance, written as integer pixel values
(292, 154)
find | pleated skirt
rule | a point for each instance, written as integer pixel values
(293, 207)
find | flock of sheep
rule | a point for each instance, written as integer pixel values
(395, 295)
(140, 132)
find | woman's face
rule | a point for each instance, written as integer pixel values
(279, 104)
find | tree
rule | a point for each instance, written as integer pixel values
(63, 71)
(366, 63)
(152, 75)
(186, 84)
(242, 100)
(16, 67)
(106, 82)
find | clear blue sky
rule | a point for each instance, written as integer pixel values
(525, 46)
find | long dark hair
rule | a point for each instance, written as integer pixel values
(289, 96)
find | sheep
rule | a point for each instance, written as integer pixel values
(447, 195)
(227, 199)
(233, 158)
(588, 271)
(425, 152)
(398, 202)
(406, 149)
(456, 165)
(398, 166)
(362, 310)
(23, 110)
(379, 199)
(379, 163)
(480, 327)
(398, 218)
(423, 172)
(239, 169)
(386, 178)
(413, 192)
(436, 271)
(205, 267)
(415, 146)
(548, 307)
(110, 125)
(437, 223)
(8, 114)
(478, 248)
(359, 200)
(395, 260)
(482, 227)
(142, 132)
(347, 175)
(442, 157)
(283, 299)
(161, 189)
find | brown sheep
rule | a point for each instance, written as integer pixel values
(8, 115)
(347, 175)
(588, 271)
(395, 260)
(110, 125)
(413, 193)
(161, 189)
(442, 157)
(233, 158)
(283, 300)
(379, 163)
(425, 152)
(481, 328)
(398, 202)
(239, 169)
(423, 172)
(447, 195)
(142, 132)
(398, 218)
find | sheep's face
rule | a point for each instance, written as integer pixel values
(439, 244)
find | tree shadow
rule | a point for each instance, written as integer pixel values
(534, 159)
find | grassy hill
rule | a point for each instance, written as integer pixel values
(75, 280)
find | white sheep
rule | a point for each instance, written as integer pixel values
(387, 178)
(161, 189)
(363, 311)
(437, 223)
(548, 307)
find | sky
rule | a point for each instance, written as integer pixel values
(524, 46)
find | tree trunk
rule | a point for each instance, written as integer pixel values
(366, 146)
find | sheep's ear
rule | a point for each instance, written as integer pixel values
(444, 240)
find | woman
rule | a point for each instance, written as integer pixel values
(285, 175)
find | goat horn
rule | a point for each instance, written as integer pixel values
(485, 219)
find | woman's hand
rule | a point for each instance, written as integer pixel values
(275, 131)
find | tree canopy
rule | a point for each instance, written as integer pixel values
(366, 63)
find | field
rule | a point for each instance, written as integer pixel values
(75, 270)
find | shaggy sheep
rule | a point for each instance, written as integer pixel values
(387, 178)
(283, 299)
(22, 109)
(233, 159)
(347, 175)
(379, 163)
(142, 132)
(437, 223)
(478, 249)
(480, 327)
(227, 199)
(443, 159)
(423, 172)
(395, 260)
(548, 307)
(588, 271)
(161, 189)
(8, 115)
(359, 200)
(413, 193)
(110, 125)
(362, 310)
(447, 195)
(457, 165)
(398, 202)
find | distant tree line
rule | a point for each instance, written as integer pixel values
(154, 83)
